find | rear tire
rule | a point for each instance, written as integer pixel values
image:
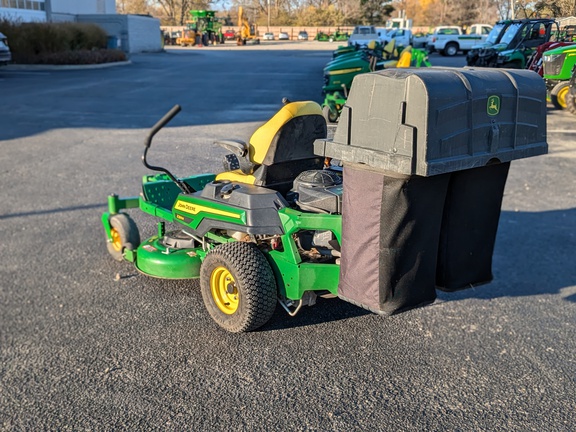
(238, 287)
(451, 50)
(125, 235)
(571, 100)
(559, 93)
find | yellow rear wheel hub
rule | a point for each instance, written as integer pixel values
(224, 290)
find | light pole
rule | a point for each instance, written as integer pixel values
(268, 28)
(512, 14)
(48, 10)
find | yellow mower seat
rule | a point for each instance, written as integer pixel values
(389, 49)
(281, 148)
(403, 61)
(405, 58)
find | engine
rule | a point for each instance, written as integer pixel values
(318, 191)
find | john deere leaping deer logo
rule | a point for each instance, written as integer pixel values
(493, 107)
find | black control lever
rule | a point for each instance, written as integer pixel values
(184, 187)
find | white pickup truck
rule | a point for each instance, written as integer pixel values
(402, 36)
(449, 40)
(362, 35)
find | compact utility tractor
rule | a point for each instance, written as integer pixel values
(412, 204)
(557, 70)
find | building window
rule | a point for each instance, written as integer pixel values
(23, 4)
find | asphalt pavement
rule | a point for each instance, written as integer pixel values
(88, 343)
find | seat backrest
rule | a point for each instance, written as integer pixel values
(389, 49)
(283, 147)
(289, 135)
(405, 57)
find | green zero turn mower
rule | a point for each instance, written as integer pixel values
(247, 233)
(411, 206)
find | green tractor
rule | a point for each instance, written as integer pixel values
(206, 26)
(322, 37)
(558, 65)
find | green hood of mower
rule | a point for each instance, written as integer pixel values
(343, 73)
(353, 56)
(346, 63)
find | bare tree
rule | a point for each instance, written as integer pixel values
(176, 12)
(132, 7)
(558, 8)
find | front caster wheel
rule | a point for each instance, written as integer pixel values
(238, 287)
(125, 235)
(330, 116)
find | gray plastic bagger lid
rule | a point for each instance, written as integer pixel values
(429, 121)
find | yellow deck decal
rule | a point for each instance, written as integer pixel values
(194, 209)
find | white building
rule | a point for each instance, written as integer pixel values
(132, 33)
(53, 10)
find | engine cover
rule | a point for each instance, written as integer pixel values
(319, 191)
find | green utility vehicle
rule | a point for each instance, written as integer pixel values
(493, 38)
(557, 71)
(517, 44)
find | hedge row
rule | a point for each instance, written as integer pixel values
(58, 43)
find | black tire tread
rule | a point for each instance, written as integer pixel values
(571, 100)
(447, 48)
(256, 284)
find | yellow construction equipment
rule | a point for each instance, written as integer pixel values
(187, 38)
(248, 32)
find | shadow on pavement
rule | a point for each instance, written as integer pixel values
(534, 255)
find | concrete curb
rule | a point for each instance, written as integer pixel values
(43, 67)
